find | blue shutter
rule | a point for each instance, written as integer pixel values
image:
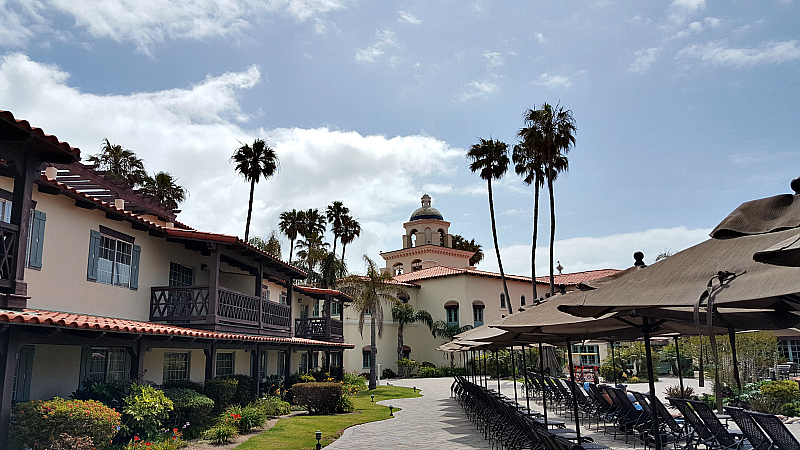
(24, 374)
(94, 254)
(137, 251)
(36, 240)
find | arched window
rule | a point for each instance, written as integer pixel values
(416, 265)
(451, 307)
(502, 300)
(413, 236)
(427, 235)
(477, 313)
(403, 298)
(442, 235)
(397, 269)
(406, 352)
(522, 300)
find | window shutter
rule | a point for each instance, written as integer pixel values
(86, 360)
(135, 267)
(24, 372)
(94, 253)
(36, 240)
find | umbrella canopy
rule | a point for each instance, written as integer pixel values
(785, 253)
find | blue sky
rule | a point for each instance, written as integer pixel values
(684, 109)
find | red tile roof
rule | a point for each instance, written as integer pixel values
(569, 279)
(82, 321)
(23, 125)
(310, 290)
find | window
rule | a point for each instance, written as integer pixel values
(589, 355)
(262, 363)
(336, 360)
(452, 314)
(107, 364)
(113, 259)
(5, 210)
(522, 300)
(366, 358)
(176, 366)
(304, 312)
(316, 308)
(304, 362)
(281, 362)
(282, 299)
(477, 315)
(397, 269)
(180, 275)
(416, 265)
(406, 352)
(403, 298)
(502, 300)
(264, 293)
(336, 308)
(790, 349)
(225, 363)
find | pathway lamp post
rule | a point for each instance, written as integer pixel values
(372, 397)
(391, 410)
(318, 435)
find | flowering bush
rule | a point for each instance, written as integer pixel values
(353, 383)
(37, 424)
(190, 407)
(168, 440)
(145, 411)
(221, 433)
(244, 418)
(272, 405)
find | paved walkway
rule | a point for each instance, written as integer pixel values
(432, 421)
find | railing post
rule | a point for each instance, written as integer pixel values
(327, 312)
(213, 285)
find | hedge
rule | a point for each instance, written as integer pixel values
(319, 398)
(190, 407)
(36, 424)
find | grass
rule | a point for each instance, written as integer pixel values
(295, 433)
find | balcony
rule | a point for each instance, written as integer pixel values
(319, 328)
(8, 248)
(191, 306)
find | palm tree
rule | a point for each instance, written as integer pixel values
(369, 292)
(551, 132)
(313, 223)
(332, 269)
(403, 314)
(290, 224)
(461, 243)
(253, 163)
(351, 229)
(119, 164)
(441, 329)
(490, 157)
(164, 188)
(529, 164)
(312, 249)
(335, 212)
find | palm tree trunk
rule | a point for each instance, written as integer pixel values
(535, 237)
(291, 249)
(497, 249)
(343, 247)
(334, 244)
(552, 232)
(400, 340)
(249, 210)
(373, 353)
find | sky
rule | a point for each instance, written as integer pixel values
(684, 109)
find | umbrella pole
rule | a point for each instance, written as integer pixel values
(525, 380)
(613, 364)
(732, 337)
(514, 374)
(702, 375)
(653, 399)
(497, 365)
(572, 389)
(472, 367)
(485, 370)
(712, 340)
(544, 388)
(678, 362)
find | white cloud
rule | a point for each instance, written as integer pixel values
(383, 39)
(436, 188)
(540, 38)
(644, 59)
(146, 23)
(639, 20)
(553, 81)
(590, 253)
(495, 59)
(14, 32)
(680, 10)
(712, 22)
(191, 133)
(478, 89)
(477, 188)
(718, 54)
(407, 17)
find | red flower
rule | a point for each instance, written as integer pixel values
(136, 439)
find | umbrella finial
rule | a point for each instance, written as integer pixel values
(638, 259)
(796, 185)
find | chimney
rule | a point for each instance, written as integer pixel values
(50, 172)
(119, 204)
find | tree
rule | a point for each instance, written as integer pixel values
(550, 131)
(290, 224)
(335, 212)
(254, 162)
(441, 329)
(369, 292)
(312, 249)
(313, 223)
(529, 163)
(119, 164)
(332, 269)
(460, 243)
(164, 188)
(351, 229)
(271, 245)
(490, 158)
(403, 314)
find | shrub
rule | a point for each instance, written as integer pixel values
(791, 409)
(244, 389)
(675, 391)
(244, 418)
(184, 384)
(784, 391)
(222, 391)
(145, 411)
(271, 385)
(320, 376)
(765, 405)
(427, 364)
(607, 372)
(65, 441)
(168, 440)
(406, 367)
(272, 405)
(190, 407)
(109, 393)
(633, 379)
(220, 433)
(388, 373)
(319, 398)
(38, 423)
(307, 378)
(353, 382)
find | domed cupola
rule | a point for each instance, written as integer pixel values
(426, 211)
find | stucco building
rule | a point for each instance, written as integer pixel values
(438, 278)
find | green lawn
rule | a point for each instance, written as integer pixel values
(298, 432)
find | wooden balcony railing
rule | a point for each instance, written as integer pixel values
(191, 306)
(9, 233)
(321, 328)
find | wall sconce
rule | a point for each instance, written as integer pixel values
(204, 267)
